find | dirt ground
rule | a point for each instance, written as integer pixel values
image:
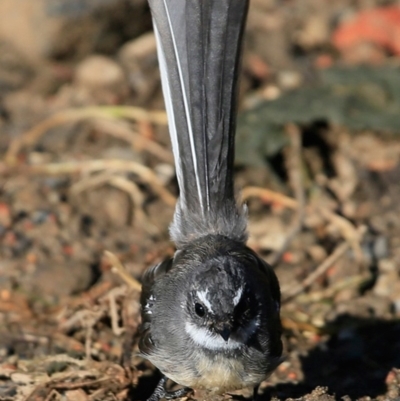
(86, 167)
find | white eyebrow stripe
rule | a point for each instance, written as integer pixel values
(203, 337)
(202, 296)
(238, 296)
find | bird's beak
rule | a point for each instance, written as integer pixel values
(225, 332)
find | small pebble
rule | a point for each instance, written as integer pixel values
(317, 253)
(386, 265)
(102, 78)
(380, 247)
(39, 216)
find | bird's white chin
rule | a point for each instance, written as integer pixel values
(207, 339)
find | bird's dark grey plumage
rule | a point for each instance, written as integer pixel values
(211, 313)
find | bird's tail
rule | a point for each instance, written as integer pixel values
(199, 47)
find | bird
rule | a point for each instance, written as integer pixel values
(211, 313)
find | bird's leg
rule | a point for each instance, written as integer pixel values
(161, 392)
(255, 393)
(182, 392)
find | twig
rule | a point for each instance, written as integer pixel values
(76, 385)
(32, 338)
(88, 341)
(89, 296)
(123, 184)
(86, 319)
(339, 251)
(119, 269)
(294, 166)
(117, 292)
(89, 182)
(348, 282)
(268, 195)
(137, 200)
(127, 349)
(66, 342)
(289, 323)
(83, 318)
(114, 315)
(66, 359)
(37, 392)
(347, 230)
(89, 166)
(73, 115)
(98, 394)
(120, 130)
(130, 313)
(51, 394)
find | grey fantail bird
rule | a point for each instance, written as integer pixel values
(211, 313)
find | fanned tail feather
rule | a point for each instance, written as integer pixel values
(199, 47)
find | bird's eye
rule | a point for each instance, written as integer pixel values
(199, 309)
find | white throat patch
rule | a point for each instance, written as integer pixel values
(203, 337)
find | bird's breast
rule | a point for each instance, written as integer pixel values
(218, 374)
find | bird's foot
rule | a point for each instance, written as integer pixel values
(160, 391)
